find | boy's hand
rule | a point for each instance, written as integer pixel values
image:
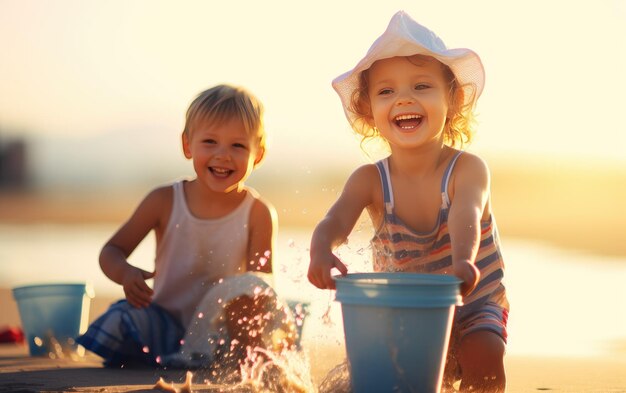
(470, 275)
(137, 292)
(320, 268)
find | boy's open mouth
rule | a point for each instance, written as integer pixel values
(408, 122)
(220, 172)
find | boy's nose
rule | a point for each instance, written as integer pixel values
(222, 154)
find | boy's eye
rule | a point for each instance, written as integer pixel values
(209, 141)
(239, 145)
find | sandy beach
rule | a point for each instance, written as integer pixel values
(21, 373)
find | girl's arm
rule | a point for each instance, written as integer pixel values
(471, 192)
(262, 237)
(335, 227)
(115, 253)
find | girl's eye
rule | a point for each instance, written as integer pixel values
(421, 86)
(239, 145)
(385, 92)
(209, 141)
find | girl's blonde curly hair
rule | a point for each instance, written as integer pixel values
(459, 127)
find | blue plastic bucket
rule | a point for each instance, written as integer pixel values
(53, 314)
(397, 327)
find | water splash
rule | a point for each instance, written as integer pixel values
(60, 348)
(337, 380)
(262, 371)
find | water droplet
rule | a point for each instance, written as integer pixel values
(200, 315)
(146, 349)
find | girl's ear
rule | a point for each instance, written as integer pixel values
(260, 153)
(186, 149)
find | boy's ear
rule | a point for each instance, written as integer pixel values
(186, 149)
(259, 156)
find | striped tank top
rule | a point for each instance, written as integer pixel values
(398, 248)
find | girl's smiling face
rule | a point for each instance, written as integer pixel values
(409, 100)
(224, 153)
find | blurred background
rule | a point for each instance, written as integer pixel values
(93, 96)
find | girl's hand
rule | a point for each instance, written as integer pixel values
(320, 268)
(470, 275)
(137, 292)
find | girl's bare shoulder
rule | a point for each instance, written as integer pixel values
(364, 175)
(470, 163)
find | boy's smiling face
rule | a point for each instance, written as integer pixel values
(409, 100)
(223, 153)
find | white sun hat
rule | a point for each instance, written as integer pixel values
(406, 37)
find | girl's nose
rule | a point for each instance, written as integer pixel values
(405, 98)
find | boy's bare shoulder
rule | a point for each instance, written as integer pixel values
(263, 217)
(158, 201)
(263, 205)
(161, 194)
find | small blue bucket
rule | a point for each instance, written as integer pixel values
(397, 327)
(53, 314)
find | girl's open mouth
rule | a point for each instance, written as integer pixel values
(408, 122)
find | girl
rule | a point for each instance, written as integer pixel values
(428, 201)
(210, 231)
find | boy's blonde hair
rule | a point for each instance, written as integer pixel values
(225, 102)
(459, 127)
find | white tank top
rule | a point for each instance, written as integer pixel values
(196, 253)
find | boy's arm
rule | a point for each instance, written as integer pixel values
(262, 237)
(114, 254)
(471, 192)
(335, 227)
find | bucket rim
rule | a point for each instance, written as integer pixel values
(87, 288)
(399, 278)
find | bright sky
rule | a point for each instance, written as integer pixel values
(75, 70)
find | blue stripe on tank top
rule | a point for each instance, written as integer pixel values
(486, 261)
(486, 241)
(497, 275)
(384, 181)
(399, 237)
(446, 174)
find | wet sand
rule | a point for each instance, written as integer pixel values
(22, 373)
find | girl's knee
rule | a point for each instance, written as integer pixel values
(482, 350)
